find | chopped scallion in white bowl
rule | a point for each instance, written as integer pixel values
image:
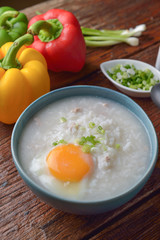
(135, 78)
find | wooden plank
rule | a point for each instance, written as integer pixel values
(36, 215)
(144, 224)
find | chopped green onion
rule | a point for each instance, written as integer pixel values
(62, 141)
(91, 124)
(87, 148)
(91, 139)
(117, 146)
(55, 143)
(100, 130)
(128, 76)
(63, 119)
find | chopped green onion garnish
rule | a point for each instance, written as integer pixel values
(63, 119)
(55, 143)
(117, 146)
(91, 124)
(82, 141)
(128, 76)
(87, 148)
(100, 130)
(91, 139)
(62, 141)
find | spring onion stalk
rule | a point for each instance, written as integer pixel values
(90, 43)
(102, 38)
(136, 32)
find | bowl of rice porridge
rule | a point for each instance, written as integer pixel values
(84, 149)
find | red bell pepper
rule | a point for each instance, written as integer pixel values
(59, 38)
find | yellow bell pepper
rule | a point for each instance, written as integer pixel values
(23, 78)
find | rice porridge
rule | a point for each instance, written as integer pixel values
(109, 145)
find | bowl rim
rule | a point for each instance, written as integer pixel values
(122, 86)
(49, 194)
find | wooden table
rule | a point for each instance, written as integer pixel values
(23, 216)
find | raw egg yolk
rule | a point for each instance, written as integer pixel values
(69, 163)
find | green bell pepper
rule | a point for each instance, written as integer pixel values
(13, 24)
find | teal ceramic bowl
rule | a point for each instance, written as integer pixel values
(74, 206)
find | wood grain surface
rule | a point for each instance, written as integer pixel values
(23, 216)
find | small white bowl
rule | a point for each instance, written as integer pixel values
(139, 65)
